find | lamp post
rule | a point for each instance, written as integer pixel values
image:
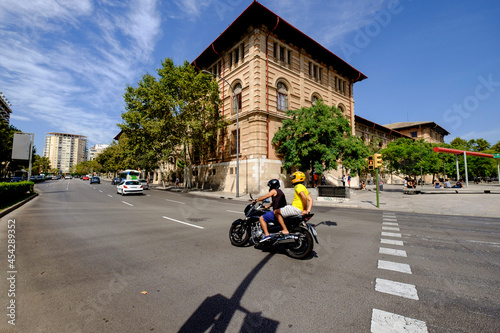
(237, 133)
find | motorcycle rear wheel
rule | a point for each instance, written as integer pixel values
(239, 235)
(303, 247)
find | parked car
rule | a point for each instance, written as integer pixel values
(129, 186)
(95, 180)
(55, 178)
(85, 178)
(16, 179)
(67, 177)
(116, 181)
(144, 184)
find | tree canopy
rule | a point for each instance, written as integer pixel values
(317, 138)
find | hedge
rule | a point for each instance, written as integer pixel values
(15, 190)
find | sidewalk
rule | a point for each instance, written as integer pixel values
(471, 201)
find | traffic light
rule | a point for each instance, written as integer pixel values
(377, 160)
(370, 163)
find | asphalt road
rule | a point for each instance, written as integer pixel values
(89, 260)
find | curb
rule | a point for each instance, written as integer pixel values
(17, 205)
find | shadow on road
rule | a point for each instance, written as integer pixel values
(216, 312)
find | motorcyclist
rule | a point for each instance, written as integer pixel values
(278, 202)
(302, 200)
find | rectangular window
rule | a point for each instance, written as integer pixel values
(238, 100)
(230, 59)
(242, 51)
(236, 56)
(319, 74)
(289, 60)
(315, 71)
(220, 67)
(275, 50)
(310, 69)
(282, 53)
(233, 142)
(414, 134)
(282, 102)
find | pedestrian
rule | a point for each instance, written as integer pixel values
(315, 177)
(344, 179)
(177, 182)
(349, 180)
(310, 181)
(323, 180)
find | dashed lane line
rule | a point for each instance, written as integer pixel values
(189, 224)
(179, 202)
(126, 203)
(396, 288)
(233, 211)
(383, 322)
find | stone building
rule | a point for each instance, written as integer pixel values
(272, 67)
(375, 134)
(427, 130)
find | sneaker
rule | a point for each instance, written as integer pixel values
(265, 238)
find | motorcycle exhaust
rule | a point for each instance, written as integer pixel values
(287, 239)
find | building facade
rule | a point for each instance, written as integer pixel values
(271, 67)
(427, 130)
(375, 135)
(5, 110)
(95, 150)
(65, 150)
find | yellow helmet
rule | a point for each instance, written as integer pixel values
(298, 177)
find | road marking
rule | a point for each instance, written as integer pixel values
(389, 223)
(383, 322)
(486, 243)
(389, 220)
(126, 203)
(396, 288)
(390, 234)
(233, 211)
(100, 191)
(392, 242)
(189, 224)
(392, 252)
(181, 203)
(394, 266)
(390, 228)
(109, 195)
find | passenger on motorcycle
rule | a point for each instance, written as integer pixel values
(279, 201)
(302, 200)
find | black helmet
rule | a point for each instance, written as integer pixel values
(273, 184)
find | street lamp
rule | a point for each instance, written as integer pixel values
(237, 133)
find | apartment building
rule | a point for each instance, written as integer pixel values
(5, 110)
(65, 150)
(95, 150)
(271, 67)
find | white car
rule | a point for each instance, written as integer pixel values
(129, 186)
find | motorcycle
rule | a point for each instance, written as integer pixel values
(298, 244)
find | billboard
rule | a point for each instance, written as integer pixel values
(21, 146)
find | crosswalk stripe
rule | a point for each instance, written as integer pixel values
(394, 266)
(396, 288)
(390, 234)
(389, 223)
(392, 252)
(392, 242)
(383, 322)
(390, 228)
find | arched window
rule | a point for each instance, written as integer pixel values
(282, 97)
(315, 98)
(237, 92)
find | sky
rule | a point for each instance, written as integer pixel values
(64, 65)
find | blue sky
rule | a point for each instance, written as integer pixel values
(64, 65)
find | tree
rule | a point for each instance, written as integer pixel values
(411, 157)
(41, 164)
(6, 139)
(317, 138)
(175, 114)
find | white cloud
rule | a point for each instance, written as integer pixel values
(68, 62)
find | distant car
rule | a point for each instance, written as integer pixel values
(16, 179)
(95, 180)
(129, 186)
(85, 178)
(144, 184)
(32, 178)
(116, 181)
(67, 177)
(55, 178)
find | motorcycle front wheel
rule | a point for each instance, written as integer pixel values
(303, 247)
(239, 234)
